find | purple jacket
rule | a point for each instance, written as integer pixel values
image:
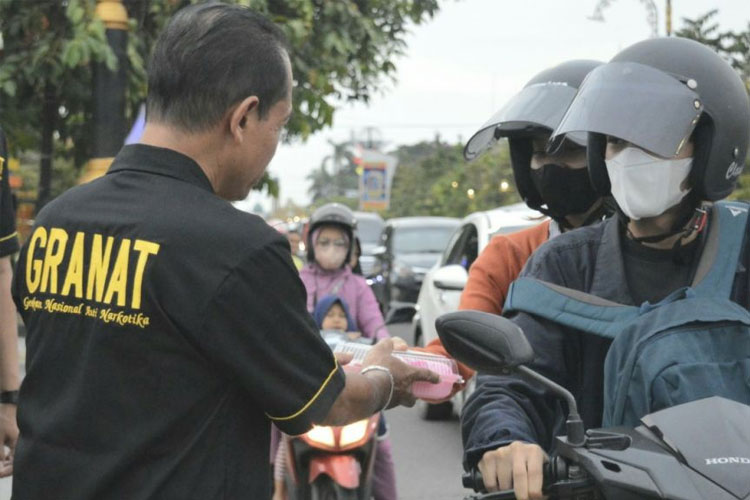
(350, 287)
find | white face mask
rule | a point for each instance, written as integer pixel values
(330, 257)
(645, 185)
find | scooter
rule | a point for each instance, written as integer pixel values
(333, 463)
(697, 450)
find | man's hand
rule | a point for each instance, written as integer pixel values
(403, 374)
(343, 358)
(399, 344)
(9, 436)
(517, 466)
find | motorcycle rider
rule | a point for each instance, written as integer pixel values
(556, 184)
(327, 272)
(668, 123)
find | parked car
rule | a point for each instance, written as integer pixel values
(409, 247)
(369, 227)
(443, 284)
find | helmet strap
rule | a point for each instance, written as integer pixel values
(692, 221)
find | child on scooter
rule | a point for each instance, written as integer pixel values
(332, 313)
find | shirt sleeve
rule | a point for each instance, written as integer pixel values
(490, 276)
(8, 235)
(258, 329)
(498, 266)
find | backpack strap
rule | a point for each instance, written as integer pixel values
(568, 307)
(572, 308)
(717, 267)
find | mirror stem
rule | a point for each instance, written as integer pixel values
(576, 434)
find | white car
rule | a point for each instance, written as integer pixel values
(442, 286)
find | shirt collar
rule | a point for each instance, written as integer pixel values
(160, 161)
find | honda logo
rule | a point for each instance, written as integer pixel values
(727, 460)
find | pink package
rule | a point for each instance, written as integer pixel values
(442, 389)
(445, 367)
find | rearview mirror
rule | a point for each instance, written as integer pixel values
(495, 345)
(483, 341)
(453, 277)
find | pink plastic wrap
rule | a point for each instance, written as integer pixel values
(445, 367)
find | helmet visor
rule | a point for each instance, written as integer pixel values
(635, 103)
(540, 105)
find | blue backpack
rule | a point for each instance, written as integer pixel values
(693, 344)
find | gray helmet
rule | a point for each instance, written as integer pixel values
(538, 107)
(658, 94)
(331, 214)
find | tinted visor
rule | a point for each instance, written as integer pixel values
(540, 105)
(636, 103)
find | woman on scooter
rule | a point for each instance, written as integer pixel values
(331, 314)
(327, 272)
(668, 122)
(556, 184)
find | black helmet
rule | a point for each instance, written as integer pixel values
(657, 95)
(331, 214)
(537, 108)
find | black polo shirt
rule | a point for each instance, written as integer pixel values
(8, 235)
(166, 330)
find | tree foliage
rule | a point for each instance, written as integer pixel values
(336, 177)
(434, 179)
(342, 50)
(732, 46)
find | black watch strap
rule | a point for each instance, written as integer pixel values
(9, 397)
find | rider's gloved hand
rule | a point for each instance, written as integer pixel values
(404, 375)
(517, 466)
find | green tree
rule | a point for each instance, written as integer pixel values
(341, 51)
(433, 179)
(733, 46)
(336, 177)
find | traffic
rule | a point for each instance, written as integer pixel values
(583, 329)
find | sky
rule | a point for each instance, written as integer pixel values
(461, 66)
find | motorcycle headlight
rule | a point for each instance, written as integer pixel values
(322, 435)
(353, 432)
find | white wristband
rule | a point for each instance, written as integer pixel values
(378, 368)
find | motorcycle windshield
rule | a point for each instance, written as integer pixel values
(636, 103)
(536, 106)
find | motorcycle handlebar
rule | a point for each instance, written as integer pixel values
(553, 471)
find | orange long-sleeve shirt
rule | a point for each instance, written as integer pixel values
(490, 276)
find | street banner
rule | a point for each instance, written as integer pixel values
(375, 181)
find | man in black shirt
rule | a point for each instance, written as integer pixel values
(166, 329)
(9, 377)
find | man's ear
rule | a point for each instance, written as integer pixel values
(246, 110)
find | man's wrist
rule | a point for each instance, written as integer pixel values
(387, 375)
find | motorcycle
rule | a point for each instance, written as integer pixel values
(333, 462)
(696, 450)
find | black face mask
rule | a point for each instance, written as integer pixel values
(564, 190)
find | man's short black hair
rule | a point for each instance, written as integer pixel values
(209, 58)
